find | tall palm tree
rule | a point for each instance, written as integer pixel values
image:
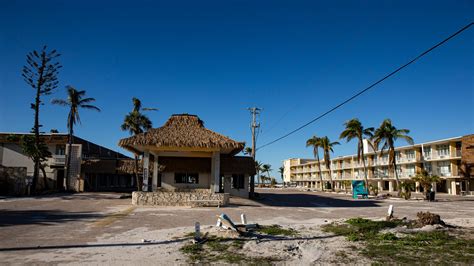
(386, 135)
(75, 100)
(327, 146)
(355, 130)
(281, 170)
(266, 168)
(315, 142)
(136, 122)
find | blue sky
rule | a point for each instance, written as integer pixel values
(294, 59)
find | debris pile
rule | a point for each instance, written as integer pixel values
(427, 218)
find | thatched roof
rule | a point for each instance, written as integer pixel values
(182, 131)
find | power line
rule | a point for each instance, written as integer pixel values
(368, 88)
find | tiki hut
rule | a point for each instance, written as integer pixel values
(191, 157)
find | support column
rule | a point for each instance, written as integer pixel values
(146, 162)
(379, 185)
(433, 187)
(453, 188)
(154, 182)
(215, 171)
(390, 186)
(417, 187)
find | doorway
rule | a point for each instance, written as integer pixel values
(60, 179)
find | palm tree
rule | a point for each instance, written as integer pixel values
(386, 135)
(327, 146)
(258, 169)
(75, 100)
(248, 151)
(315, 142)
(426, 180)
(266, 168)
(355, 130)
(135, 122)
(281, 170)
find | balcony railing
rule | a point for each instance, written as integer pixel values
(57, 160)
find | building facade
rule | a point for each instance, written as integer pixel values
(93, 167)
(445, 158)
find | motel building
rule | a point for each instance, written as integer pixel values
(451, 159)
(93, 167)
(193, 164)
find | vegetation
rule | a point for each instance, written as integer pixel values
(41, 73)
(215, 249)
(327, 147)
(315, 143)
(136, 122)
(405, 189)
(258, 169)
(276, 230)
(247, 151)
(281, 170)
(355, 130)
(435, 247)
(75, 100)
(266, 168)
(426, 180)
(386, 135)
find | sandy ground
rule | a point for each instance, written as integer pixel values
(103, 229)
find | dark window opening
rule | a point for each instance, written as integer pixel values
(238, 181)
(186, 178)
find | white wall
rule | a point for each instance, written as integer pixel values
(12, 156)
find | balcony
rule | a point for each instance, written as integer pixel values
(58, 160)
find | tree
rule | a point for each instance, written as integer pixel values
(266, 168)
(34, 151)
(466, 170)
(41, 73)
(75, 100)
(426, 180)
(355, 130)
(248, 151)
(327, 147)
(315, 142)
(281, 170)
(136, 122)
(386, 135)
(258, 169)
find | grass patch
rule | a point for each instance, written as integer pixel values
(276, 230)
(434, 247)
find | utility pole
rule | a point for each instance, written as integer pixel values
(254, 111)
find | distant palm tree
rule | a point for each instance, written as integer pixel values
(315, 142)
(266, 168)
(355, 130)
(75, 100)
(386, 135)
(136, 122)
(327, 146)
(248, 151)
(281, 170)
(258, 169)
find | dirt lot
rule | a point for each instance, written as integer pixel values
(102, 228)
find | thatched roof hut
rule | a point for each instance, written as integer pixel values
(182, 131)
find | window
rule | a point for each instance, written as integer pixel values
(410, 154)
(427, 151)
(60, 150)
(398, 155)
(443, 150)
(410, 169)
(238, 181)
(186, 178)
(428, 167)
(444, 168)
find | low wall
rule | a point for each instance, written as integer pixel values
(174, 198)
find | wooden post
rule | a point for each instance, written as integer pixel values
(146, 162)
(154, 182)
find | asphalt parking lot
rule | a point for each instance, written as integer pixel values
(74, 220)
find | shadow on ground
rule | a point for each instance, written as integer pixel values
(42, 217)
(311, 200)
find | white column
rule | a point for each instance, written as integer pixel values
(215, 170)
(417, 187)
(390, 186)
(146, 162)
(379, 185)
(453, 187)
(154, 183)
(433, 187)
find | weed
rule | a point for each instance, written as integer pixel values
(276, 230)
